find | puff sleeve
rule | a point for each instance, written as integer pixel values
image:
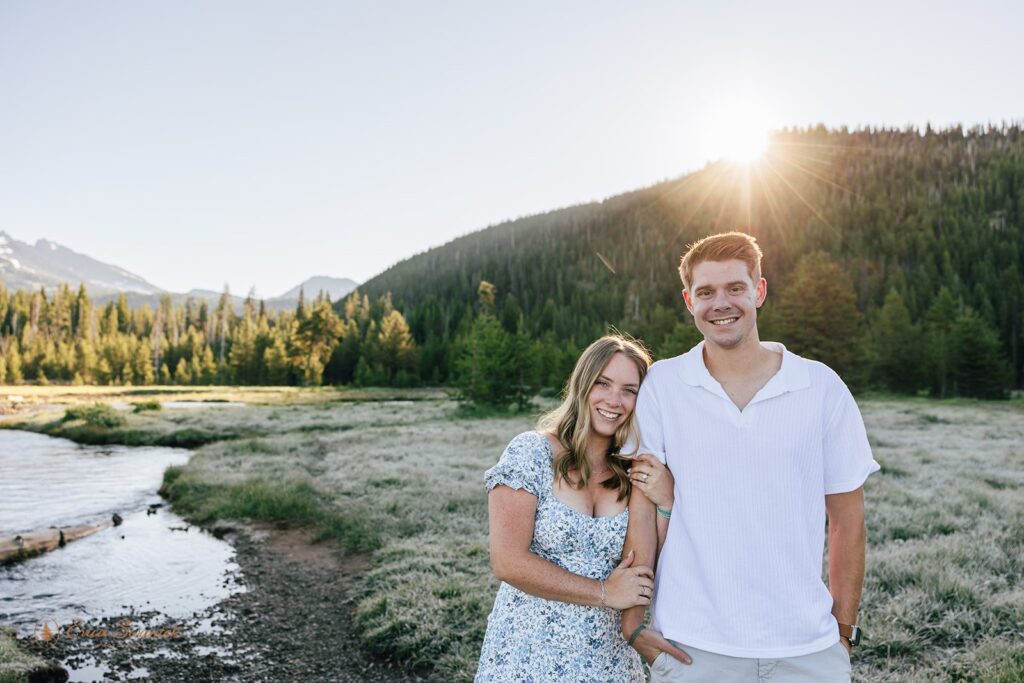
(522, 465)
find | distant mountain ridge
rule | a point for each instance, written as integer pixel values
(47, 264)
(335, 287)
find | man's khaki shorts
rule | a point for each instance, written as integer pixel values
(828, 666)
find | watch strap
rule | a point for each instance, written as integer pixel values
(851, 632)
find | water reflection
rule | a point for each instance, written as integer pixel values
(142, 564)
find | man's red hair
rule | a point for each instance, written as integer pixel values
(722, 247)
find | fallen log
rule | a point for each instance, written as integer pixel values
(24, 546)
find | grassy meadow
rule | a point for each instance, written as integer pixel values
(398, 477)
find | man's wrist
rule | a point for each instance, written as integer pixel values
(629, 621)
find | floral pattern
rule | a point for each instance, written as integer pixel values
(533, 640)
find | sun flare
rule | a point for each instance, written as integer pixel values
(736, 130)
(745, 145)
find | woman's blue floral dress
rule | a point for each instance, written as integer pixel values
(533, 640)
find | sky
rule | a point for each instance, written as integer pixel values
(256, 144)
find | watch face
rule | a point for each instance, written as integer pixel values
(855, 637)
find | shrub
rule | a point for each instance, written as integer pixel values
(146, 405)
(95, 414)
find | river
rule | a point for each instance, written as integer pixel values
(147, 563)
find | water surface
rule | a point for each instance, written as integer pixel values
(147, 563)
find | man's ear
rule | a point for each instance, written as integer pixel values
(762, 292)
(689, 301)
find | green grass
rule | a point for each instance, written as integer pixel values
(402, 481)
(95, 415)
(284, 502)
(143, 406)
(15, 665)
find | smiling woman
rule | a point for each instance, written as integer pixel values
(557, 518)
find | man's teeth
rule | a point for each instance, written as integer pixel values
(724, 321)
(610, 416)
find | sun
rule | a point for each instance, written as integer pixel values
(736, 130)
(745, 145)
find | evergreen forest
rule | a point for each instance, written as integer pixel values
(893, 255)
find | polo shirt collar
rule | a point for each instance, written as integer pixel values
(793, 375)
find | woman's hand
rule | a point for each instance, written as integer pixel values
(629, 586)
(654, 479)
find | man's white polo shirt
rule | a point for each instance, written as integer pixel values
(740, 573)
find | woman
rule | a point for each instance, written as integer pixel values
(558, 517)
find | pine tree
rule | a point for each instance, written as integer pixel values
(182, 374)
(341, 369)
(485, 369)
(817, 317)
(208, 370)
(244, 359)
(683, 337)
(523, 360)
(277, 363)
(896, 346)
(396, 353)
(938, 349)
(315, 339)
(979, 368)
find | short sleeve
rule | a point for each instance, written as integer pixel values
(648, 422)
(848, 459)
(522, 465)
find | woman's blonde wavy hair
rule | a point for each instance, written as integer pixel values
(570, 421)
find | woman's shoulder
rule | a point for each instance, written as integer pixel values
(524, 464)
(533, 445)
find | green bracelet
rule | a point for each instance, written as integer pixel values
(632, 638)
(662, 512)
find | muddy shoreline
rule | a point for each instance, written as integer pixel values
(293, 623)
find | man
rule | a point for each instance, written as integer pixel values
(762, 444)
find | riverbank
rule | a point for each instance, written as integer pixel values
(18, 665)
(292, 623)
(395, 482)
(397, 486)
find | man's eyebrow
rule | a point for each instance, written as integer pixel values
(728, 284)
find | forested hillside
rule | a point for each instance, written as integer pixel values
(894, 255)
(65, 337)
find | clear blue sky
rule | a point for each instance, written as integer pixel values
(259, 143)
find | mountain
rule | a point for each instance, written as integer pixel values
(335, 287)
(909, 211)
(48, 264)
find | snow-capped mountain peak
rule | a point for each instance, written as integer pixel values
(47, 264)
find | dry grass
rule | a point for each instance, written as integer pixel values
(15, 665)
(944, 594)
(943, 599)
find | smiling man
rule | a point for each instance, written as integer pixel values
(764, 446)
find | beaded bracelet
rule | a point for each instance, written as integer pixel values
(604, 593)
(662, 512)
